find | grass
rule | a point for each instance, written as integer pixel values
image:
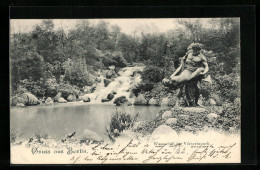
(119, 121)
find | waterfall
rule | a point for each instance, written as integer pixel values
(120, 85)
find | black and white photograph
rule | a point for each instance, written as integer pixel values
(125, 91)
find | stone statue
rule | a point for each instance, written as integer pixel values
(192, 69)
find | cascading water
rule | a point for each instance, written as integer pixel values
(120, 85)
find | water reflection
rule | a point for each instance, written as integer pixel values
(57, 121)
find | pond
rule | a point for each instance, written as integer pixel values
(62, 119)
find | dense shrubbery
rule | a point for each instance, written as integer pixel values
(152, 74)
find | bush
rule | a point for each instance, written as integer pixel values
(119, 122)
(228, 87)
(152, 74)
(32, 86)
(67, 89)
(143, 87)
(114, 58)
(51, 87)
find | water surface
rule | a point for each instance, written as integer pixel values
(62, 119)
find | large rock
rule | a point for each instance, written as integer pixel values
(165, 101)
(90, 135)
(152, 101)
(171, 121)
(107, 82)
(166, 114)
(140, 100)
(62, 100)
(25, 99)
(31, 99)
(56, 98)
(19, 100)
(110, 96)
(212, 117)
(164, 132)
(85, 98)
(71, 98)
(194, 109)
(120, 100)
(49, 101)
(212, 102)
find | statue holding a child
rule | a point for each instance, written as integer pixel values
(192, 69)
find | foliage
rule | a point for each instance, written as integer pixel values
(67, 89)
(119, 122)
(152, 74)
(35, 87)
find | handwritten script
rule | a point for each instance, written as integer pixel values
(138, 152)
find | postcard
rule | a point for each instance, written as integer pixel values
(125, 91)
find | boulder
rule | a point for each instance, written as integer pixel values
(19, 100)
(171, 121)
(194, 109)
(90, 135)
(62, 100)
(25, 99)
(152, 101)
(110, 96)
(164, 132)
(140, 100)
(56, 98)
(120, 100)
(85, 98)
(48, 101)
(166, 114)
(212, 102)
(107, 82)
(212, 117)
(71, 98)
(165, 101)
